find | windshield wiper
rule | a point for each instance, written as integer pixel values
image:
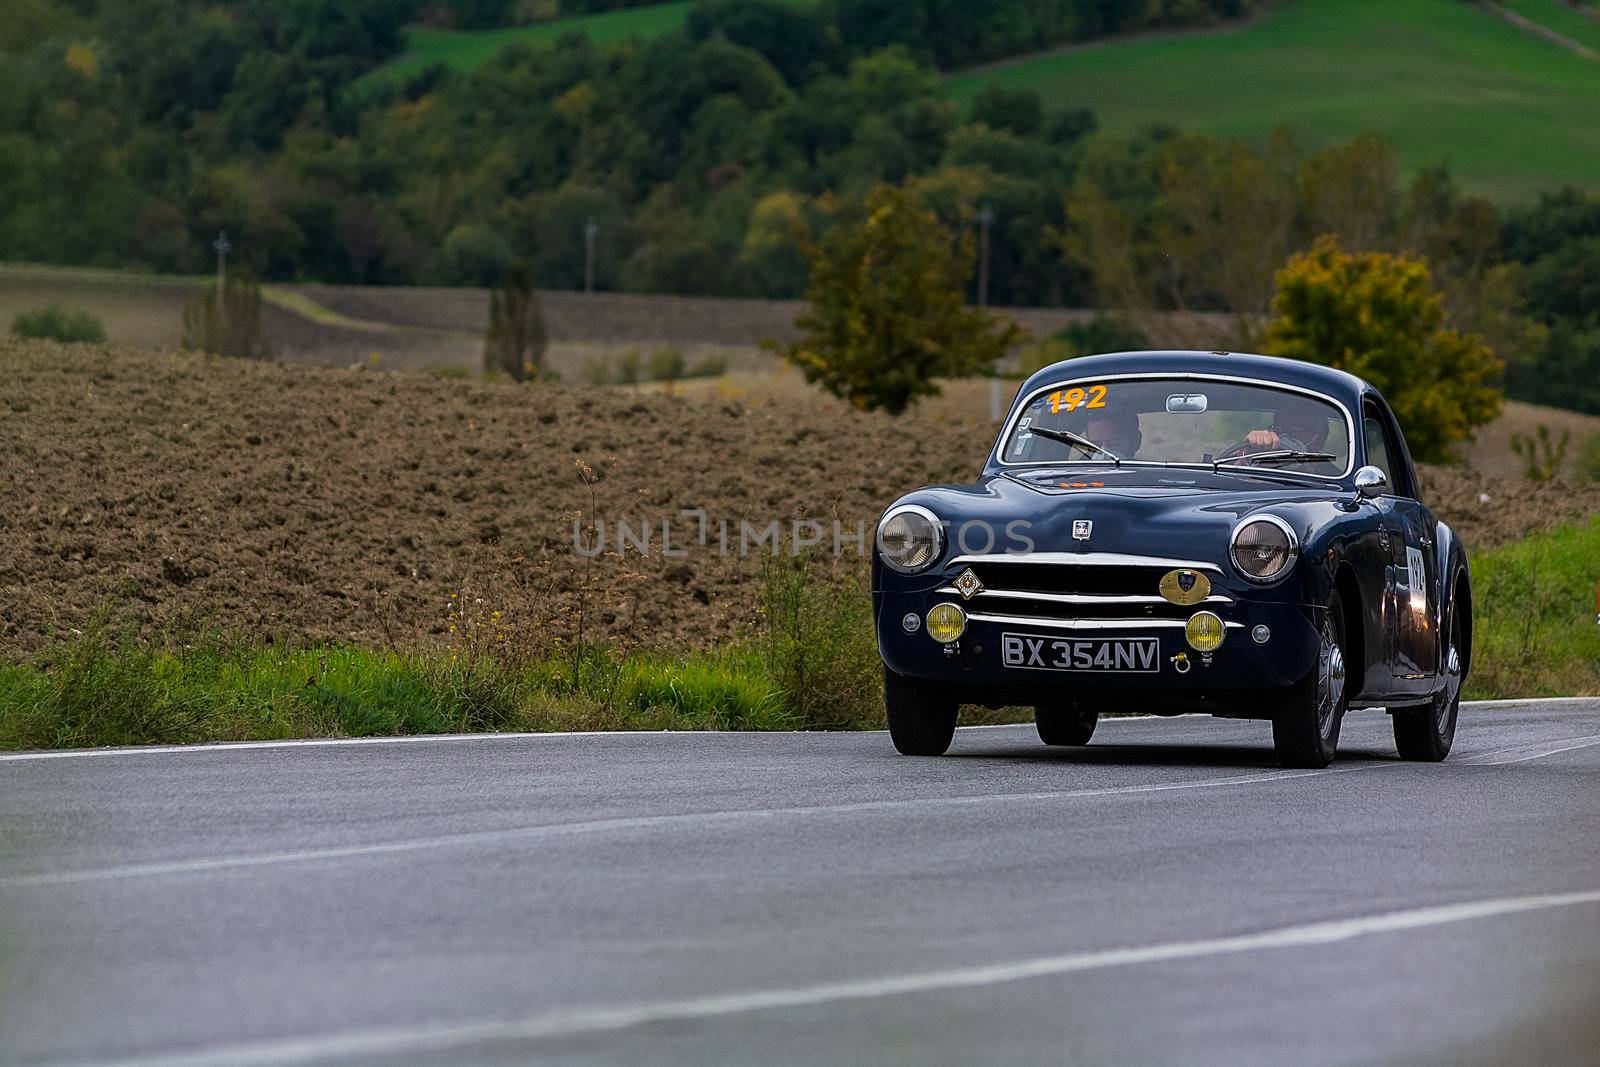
(1067, 437)
(1277, 456)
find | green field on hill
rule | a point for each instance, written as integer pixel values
(466, 49)
(1512, 113)
(1560, 16)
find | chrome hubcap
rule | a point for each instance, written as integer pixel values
(1330, 682)
(1452, 687)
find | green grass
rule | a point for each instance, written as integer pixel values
(93, 692)
(1511, 113)
(1534, 616)
(466, 49)
(1557, 16)
(814, 665)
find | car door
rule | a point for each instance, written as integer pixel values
(1405, 541)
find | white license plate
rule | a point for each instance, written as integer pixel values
(1125, 655)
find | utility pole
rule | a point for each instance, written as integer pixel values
(985, 222)
(591, 233)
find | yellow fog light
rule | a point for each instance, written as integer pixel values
(1205, 631)
(946, 622)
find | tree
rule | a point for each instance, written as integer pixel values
(516, 339)
(1020, 111)
(229, 326)
(886, 315)
(1379, 316)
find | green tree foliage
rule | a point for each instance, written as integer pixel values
(516, 339)
(1020, 111)
(56, 323)
(1378, 316)
(885, 315)
(1556, 244)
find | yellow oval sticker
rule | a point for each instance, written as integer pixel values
(1185, 587)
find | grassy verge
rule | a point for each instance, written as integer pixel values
(1534, 614)
(811, 665)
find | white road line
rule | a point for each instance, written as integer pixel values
(643, 822)
(1520, 753)
(423, 739)
(560, 1025)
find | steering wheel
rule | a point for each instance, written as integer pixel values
(1235, 452)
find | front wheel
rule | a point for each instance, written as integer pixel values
(922, 716)
(1305, 733)
(1064, 724)
(1426, 736)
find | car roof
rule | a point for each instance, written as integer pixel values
(1269, 369)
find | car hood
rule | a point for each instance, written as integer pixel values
(1158, 512)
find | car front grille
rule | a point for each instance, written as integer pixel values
(1077, 591)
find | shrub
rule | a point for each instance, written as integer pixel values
(667, 365)
(56, 323)
(1541, 454)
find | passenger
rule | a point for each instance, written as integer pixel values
(1118, 431)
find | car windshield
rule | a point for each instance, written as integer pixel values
(1181, 420)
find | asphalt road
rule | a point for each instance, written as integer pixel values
(1166, 895)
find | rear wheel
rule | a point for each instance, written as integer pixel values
(1064, 723)
(1426, 735)
(1306, 732)
(922, 715)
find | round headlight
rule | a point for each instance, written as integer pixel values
(1204, 631)
(909, 539)
(946, 622)
(1263, 548)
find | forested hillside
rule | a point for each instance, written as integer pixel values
(707, 156)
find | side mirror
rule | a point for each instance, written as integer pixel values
(1371, 482)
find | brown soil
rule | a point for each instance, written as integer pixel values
(298, 503)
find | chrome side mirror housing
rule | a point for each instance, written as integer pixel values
(1371, 482)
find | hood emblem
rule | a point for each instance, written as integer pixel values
(1081, 529)
(1184, 587)
(967, 584)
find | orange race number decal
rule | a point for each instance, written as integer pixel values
(1074, 398)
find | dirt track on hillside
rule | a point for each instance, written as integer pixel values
(298, 504)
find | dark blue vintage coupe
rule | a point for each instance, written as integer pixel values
(1179, 531)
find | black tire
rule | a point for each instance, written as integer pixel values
(1426, 735)
(922, 715)
(1064, 723)
(1306, 732)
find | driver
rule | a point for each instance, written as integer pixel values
(1118, 431)
(1297, 425)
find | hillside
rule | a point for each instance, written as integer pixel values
(1513, 114)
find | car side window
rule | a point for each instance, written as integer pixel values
(1381, 452)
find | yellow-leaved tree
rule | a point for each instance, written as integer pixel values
(1379, 316)
(886, 317)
